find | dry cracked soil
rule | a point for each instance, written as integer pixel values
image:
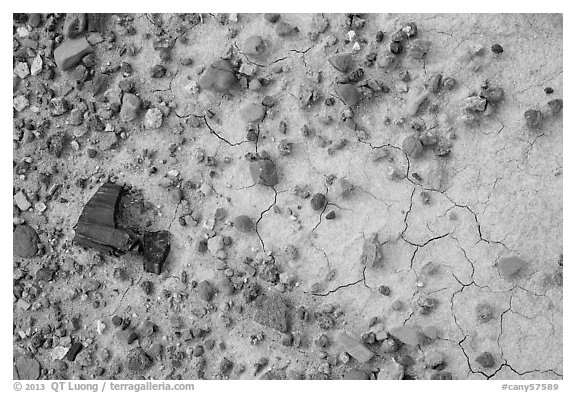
(357, 196)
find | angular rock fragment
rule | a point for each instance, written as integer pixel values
(96, 227)
(263, 171)
(508, 267)
(27, 369)
(138, 360)
(74, 351)
(355, 374)
(371, 253)
(348, 94)
(273, 313)
(341, 62)
(405, 334)
(25, 241)
(219, 77)
(206, 290)
(155, 248)
(354, 347)
(412, 146)
(71, 52)
(415, 98)
(130, 105)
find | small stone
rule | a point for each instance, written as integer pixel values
(348, 93)
(138, 360)
(22, 69)
(264, 172)
(435, 360)
(342, 62)
(158, 71)
(318, 201)
(371, 253)
(355, 374)
(354, 347)
(243, 224)
(205, 291)
(475, 104)
(493, 94)
(412, 146)
(253, 112)
(331, 215)
(225, 286)
(510, 266)
(405, 334)
(254, 45)
(556, 105)
(153, 118)
(497, 48)
(25, 241)
(27, 369)
(20, 103)
(396, 47)
(548, 90)
(219, 77)
(384, 290)
(22, 201)
(130, 105)
(284, 29)
(485, 359)
(272, 18)
(533, 118)
(441, 376)
(36, 66)
(71, 52)
(273, 313)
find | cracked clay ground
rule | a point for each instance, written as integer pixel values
(444, 222)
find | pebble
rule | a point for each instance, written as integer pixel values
(20, 103)
(331, 215)
(354, 347)
(533, 118)
(272, 18)
(396, 48)
(225, 286)
(263, 171)
(556, 105)
(405, 334)
(355, 374)
(318, 201)
(36, 66)
(412, 146)
(243, 224)
(71, 52)
(485, 359)
(548, 90)
(475, 104)
(205, 290)
(130, 105)
(253, 112)
(254, 45)
(219, 77)
(497, 48)
(284, 29)
(493, 94)
(25, 241)
(21, 201)
(348, 93)
(342, 62)
(158, 71)
(22, 69)
(153, 118)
